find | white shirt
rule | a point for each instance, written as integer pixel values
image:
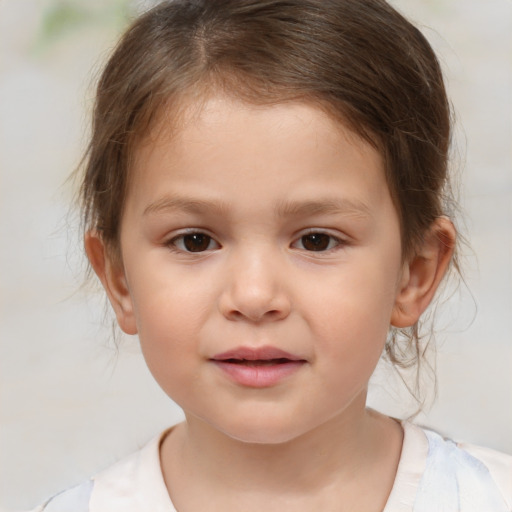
(434, 475)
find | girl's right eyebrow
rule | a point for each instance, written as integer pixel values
(186, 204)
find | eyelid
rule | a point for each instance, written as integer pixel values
(334, 233)
(341, 241)
(170, 241)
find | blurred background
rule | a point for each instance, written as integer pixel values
(70, 401)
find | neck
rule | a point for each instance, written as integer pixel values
(345, 449)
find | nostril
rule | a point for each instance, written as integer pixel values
(235, 315)
(271, 315)
(254, 304)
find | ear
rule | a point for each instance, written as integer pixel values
(423, 273)
(112, 277)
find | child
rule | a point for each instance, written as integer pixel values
(265, 206)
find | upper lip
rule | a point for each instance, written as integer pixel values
(264, 353)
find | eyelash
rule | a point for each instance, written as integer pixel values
(174, 243)
(177, 243)
(333, 242)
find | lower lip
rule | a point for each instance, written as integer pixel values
(262, 376)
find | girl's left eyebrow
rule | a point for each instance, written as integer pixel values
(325, 206)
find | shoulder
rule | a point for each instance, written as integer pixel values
(499, 465)
(76, 499)
(134, 484)
(472, 478)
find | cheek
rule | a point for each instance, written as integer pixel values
(366, 291)
(350, 338)
(168, 300)
(352, 310)
(170, 313)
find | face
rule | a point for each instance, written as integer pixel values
(261, 263)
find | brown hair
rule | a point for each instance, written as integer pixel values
(359, 60)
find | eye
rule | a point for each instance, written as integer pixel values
(194, 242)
(317, 241)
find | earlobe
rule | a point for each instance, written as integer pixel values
(112, 278)
(422, 275)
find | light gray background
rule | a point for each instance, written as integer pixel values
(70, 403)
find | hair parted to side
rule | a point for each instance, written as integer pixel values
(359, 60)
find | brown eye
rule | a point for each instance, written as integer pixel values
(194, 242)
(317, 242)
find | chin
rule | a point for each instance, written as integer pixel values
(259, 437)
(268, 432)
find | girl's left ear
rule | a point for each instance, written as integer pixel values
(423, 273)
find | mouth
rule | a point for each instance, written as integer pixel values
(257, 362)
(257, 368)
(263, 354)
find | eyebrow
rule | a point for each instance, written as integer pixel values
(185, 204)
(325, 206)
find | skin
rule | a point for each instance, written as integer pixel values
(256, 182)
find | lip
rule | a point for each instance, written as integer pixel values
(259, 367)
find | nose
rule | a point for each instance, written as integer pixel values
(255, 288)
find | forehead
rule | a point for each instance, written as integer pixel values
(189, 118)
(208, 101)
(227, 143)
